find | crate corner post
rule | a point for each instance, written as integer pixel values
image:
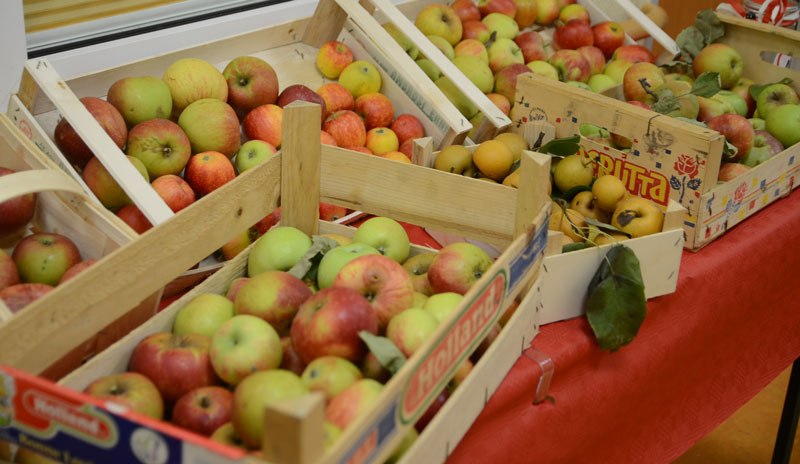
(300, 167)
(293, 430)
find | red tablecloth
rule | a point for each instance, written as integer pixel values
(732, 326)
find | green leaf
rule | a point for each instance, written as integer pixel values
(616, 306)
(307, 266)
(709, 26)
(729, 151)
(706, 85)
(388, 354)
(690, 41)
(603, 225)
(562, 147)
(666, 104)
(570, 194)
(755, 89)
(573, 247)
(677, 66)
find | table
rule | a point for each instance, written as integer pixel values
(730, 328)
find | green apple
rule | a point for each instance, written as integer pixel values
(441, 305)
(330, 375)
(580, 85)
(278, 250)
(758, 123)
(476, 71)
(332, 433)
(572, 171)
(401, 39)
(43, 258)
(502, 25)
(783, 123)
(429, 68)
(443, 45)
(385, 235)
(161, 146)
(252, 153)
(462, 103)
(722, 59)
(408, 440)
(191, 79)
(544, 69)
(419, 299)
(601, 82)
(503, 52)
(333, 261)
(615, 69)
(254, 394)
(242, 345)
(739, 104)
(410, 329)
(140, 99)
(360, 78)
(441, 20)
(774, 96)
(204, 314)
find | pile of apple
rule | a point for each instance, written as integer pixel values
(615, 214)
(39, 261)
(276, 336)
(494, 41)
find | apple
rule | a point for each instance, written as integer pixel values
(443, 45)
(407, 148)
(332, 58)
(327, 139)
(264, 123)
(456, 159)
(417, 268)
(130, 389)
(381, 140)
(43, 258)
(251, 83)
(501, 101)
(765, 146)
(505, 81)
(476, 30)
(278, 249)
(134, 217)
(192, 79)
(242, 345)
(608, 36)
(548, 11)
(361, 77)
(203, 315)
(464, 105)
(385, 235)
(601, 82)
(9, 275)
(526, 13)
(376, 109)
(573, 35)
(742, 89)
(330, 375)
(608, 190)
(633, 54)
(70, 143)
(254, 394)
(571, 65)
(595, 133)
(410, 329)
(429, 69)
(140, 99)
(710, 108)
(226, 434)
(18, 296)
(382, 281)
(640, 105)
(238, 244)
(631, 83)
(203, 410)
(472, 47)
(441, 20)
(300, 92)
(457, 266)
(233, 288)
(574, 12)
(347, 128)
(477, 71)
(336, 97)
(175, 192)
(689, 104)
(396, 156)
(594, 56)
(737, 130)
(336, 258)
(758, 124)
(531, 45)
(161, 145)
(580, 85)
(74, 270)
(638, 217)
(586, 204)
(616, 70)
(544, 69)
(329, 212)
(441, 305)
(16, 212)
(437, 404)
(371, 369)
(328, 323)
(722, 59)
(504, 7)
(406, 127)
(251, 153)
(405, 43)
(105, 188)
(774, 96)
(211, 125)
(273, 296)
(783, 123)
(291, 361)
(208, 171)
(739, 104)
(503, 52)
(501, 25)
(466, 10)
(176, 364)
(353, 402)
(572, 171)
(730, 171)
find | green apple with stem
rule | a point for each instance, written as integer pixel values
(251, 153)
(278, 249)
(204, 314)
(242, 345)
(140, 99)
(385, 235)
(783, 123)
(330, 375)
(336, 258)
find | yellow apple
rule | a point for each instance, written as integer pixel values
(608, 190)
(638, 217)
(360, 77)
(586, 204)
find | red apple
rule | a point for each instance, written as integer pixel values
(328, 324)
(76, 269)
(274, 296)
(264, 123)
(290, 360)
(18, 296)
(352, 403)
(527, 12)
(203, 410)
(407, 148)
(161, 145)
(269, 221)
(407, 127)
(573, 35)
(573, 12)
(9, 275)
(208, 171)
(532, 46)
(371, 369)
(608, 36)
(105, 187)
(633, 54)
(506, 7)
(505, 81)
(737, 130)
(466, 10)
(301, 92)
(456, 267)
(16, 212)
(631, 82)
(134, 217)
(730, 171)
(130, 389)
(476, 30)
(336, 97)
(347, 128)
(376, 109)
(235, 286)
(329, 212)
(640, 104)
(175, 192)
(251, 82)
(43, 258)
(382, 281)
(742, 89)
(237, 244)
(327, 139)
(176, 364)
(595, 58)
(109, 118)
(571, 65)
(333, 57)
(360, 149)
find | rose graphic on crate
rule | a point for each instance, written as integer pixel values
(688, 167)
(738, 197)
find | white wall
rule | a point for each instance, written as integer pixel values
(12, 53)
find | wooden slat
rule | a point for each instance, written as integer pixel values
(300, 170)
(326, 23)
(532, 191)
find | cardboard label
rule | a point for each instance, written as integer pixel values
(638, 180)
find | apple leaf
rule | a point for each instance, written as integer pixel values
(562, 147)
(388, 354)
(706, 85)
(306, 268)
(667, 103)
(603, 225)
(709, 26)
(573, 247)
(690, 41)
(616, 306)
(755, 89)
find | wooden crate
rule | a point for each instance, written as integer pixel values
(671, 158)
(290, 48)
(63, 208)
(410, 193)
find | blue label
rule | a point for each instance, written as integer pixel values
(523, 261)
